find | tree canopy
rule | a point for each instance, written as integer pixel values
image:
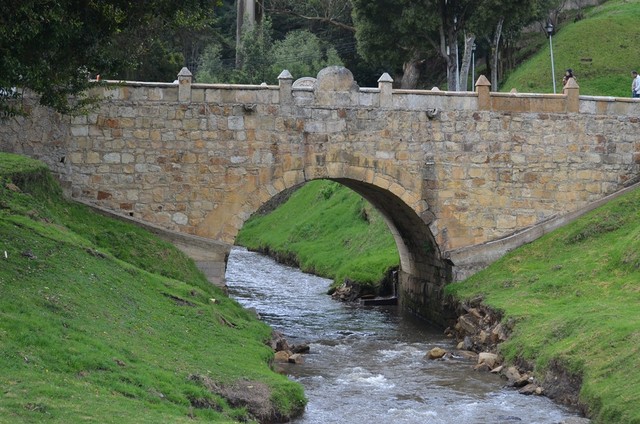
(53, 47)
(406, 33)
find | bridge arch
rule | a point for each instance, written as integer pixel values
(423, 270)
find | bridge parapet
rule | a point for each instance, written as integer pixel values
(335, 87)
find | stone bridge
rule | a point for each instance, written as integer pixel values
(460, 177)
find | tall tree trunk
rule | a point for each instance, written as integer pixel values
(495, 54)
(466, 62)
(246, 13)
(411, 72)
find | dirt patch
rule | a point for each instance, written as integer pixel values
(255, 396)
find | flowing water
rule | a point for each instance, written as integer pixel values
(366, 364)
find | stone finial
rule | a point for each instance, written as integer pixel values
(385, 78)
(572, 91)
(335, 86)
(285, 75)
(385, 84)
(184, 85)
(285, 81)
(483, 87)
(184, 72)
(335, 78)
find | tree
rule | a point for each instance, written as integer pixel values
(403, 33)
(255, 49)
(52, 46)
(496, 17)
(302, 54)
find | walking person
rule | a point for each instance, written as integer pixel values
(635, 85)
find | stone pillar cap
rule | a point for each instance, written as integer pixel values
(571, 83)
(184, 72)
(385, 78)
(285, 74)
(483, 82)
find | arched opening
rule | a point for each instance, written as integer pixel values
(422, 272)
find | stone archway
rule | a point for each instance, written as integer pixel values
(423, 270)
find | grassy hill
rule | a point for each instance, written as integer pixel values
(326, 229)
(102, 322)
(602, 49)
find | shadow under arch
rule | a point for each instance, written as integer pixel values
(423, 271)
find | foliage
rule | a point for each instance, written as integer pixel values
(210, 67)
(302, 54)
(255, 49)
(101, 321)
(358, 245)
(53, 47)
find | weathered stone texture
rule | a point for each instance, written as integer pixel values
(448, 170)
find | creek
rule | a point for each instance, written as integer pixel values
(366, 364)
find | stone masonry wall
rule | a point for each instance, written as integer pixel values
(448, 170)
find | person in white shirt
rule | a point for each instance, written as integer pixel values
(635, 84)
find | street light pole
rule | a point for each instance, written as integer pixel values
(549, 29)
(473, 66)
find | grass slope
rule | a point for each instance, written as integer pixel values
(575, 295)
(330, 230)
(602, 49)
(102, 322)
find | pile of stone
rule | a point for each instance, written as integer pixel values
(479, 331)
(287, 353)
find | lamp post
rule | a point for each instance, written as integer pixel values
(549, 29)
(473, 65)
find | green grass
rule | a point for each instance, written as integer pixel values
(102, 322)
(357, 245)
(575, 295)
(602, 49)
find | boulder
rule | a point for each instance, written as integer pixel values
(296, 358)
(490, 359)
(301, 348)
(467, 324)
(497, 370)
(482, 367)
(511, 374)
(435, 353)
(498, 333)
(281, 356)
(530, 389)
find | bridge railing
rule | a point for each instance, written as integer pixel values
(343, 92)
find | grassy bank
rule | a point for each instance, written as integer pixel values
(330, 231)
(102, 322)
(575, 296)
(602, 49)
